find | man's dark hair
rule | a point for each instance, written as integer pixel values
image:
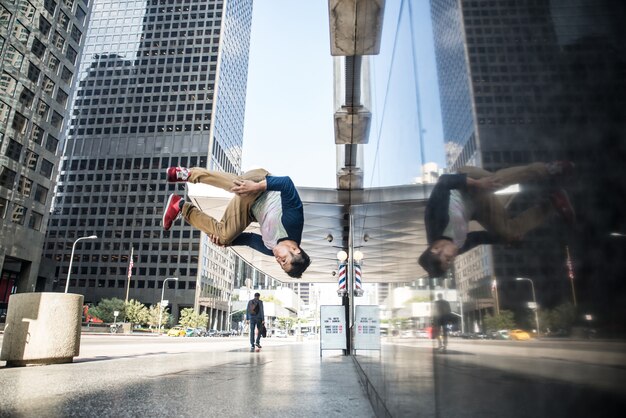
(431, 263)
(257, 294)
(299, 264)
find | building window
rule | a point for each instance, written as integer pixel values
(38, 48)
(5, 109)
(76, 34)
(56, 120)
(19, 123)
(43, 109)
(18, 214)
(36, 134)
(50, 6)
(61, 97)
(53, 63)
(7, 178)
(7, 85)
(14, 150)
(27, 10)
(41, 194)
(71, 54)
(48, 85)
(66, 75)
(63, 20)
(46, 168)
(30, 159)
(21, 33)
(80, 15)
(44, 26)
(51, 144)
(5, 17)
(24, 186)
(33, 72)
(26, 97)
(58, 40)
(13, 58)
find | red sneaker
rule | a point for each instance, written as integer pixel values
(563, 206)
(172, 212)
(177, 174)
(560, 168)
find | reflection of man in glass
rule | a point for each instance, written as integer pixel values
(441, 318)
(468, 195)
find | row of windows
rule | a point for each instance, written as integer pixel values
(134, 284)
(155, 234)
(185, 246)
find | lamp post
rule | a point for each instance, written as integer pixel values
(532, 287)
(67, 282)
(161, 304)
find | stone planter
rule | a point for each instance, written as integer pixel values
(42, 328)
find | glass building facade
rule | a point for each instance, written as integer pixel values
(162, 83)
(40, 46)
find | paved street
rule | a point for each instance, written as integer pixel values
(124, 376)
(117, 375)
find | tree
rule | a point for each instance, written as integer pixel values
(136, 312)
(563, 317)
(190, 318)
(153, 316)
(286, 322)
(105, 308)
(504, 320)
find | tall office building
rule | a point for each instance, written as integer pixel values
(40, 45)
(162, 83)
(526, 81)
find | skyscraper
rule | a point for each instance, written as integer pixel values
(534, 80)
(162, 83)
(40, 46)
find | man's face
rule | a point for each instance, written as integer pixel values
(445, 251)
(283, 256)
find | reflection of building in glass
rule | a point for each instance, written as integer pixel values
(532, 81)
(152, 76)
(40, 43)
(431, 173)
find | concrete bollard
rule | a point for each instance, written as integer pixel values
(42, 328)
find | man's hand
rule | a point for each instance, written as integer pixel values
(216, 240)
(484, 183)
(246, 187)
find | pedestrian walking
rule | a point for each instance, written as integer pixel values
(255, 315)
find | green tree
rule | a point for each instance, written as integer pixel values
(504, 320)
(136, 312)
(563, 317)
(190, 318)
(286, 322)
(153, 316)
(238, 316)
(105, 308)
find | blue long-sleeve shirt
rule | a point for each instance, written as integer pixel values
(291, 219)
(436, 216)
(259, 315)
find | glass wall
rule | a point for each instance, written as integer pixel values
(534, 320)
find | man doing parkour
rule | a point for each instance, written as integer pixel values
(468, 195)
(271, 201)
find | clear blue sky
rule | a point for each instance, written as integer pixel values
(289, 110)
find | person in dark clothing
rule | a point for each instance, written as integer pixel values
(468, 195)
(272, 201)
(441, 319)
(256, 317)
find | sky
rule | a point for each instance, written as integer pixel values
(289, 109)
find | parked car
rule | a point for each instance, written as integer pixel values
(212, 333)
(177, 331)
(519, 335)
(502, 334)
(200, 332)
(422, 333)
(280, 334)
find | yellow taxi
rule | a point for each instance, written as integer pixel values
(519, 335)
(177, 331)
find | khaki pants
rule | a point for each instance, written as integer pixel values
(237, 215)
(491, 213)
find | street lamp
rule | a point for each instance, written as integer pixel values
(161, 304)
(532, 287)
(67, 282)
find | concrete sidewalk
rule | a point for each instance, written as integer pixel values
(214, 377)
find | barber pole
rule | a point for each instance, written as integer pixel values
(341, 272)
(358, 288)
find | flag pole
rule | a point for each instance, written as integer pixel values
(130, 272)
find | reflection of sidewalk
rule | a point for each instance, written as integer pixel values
(188, 377)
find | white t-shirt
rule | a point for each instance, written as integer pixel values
(268, 211)
(459, 211)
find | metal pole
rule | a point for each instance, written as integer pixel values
(532, 287)
(571, 274)
(69, 272)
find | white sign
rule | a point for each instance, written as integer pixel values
(332, 327)
(165, 303)
(367, 327)
(116, 313)
(532, 305)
